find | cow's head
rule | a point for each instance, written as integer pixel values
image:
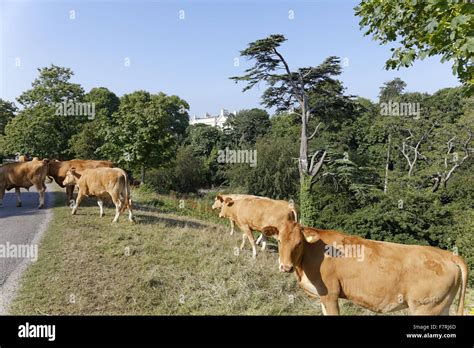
(71, 177)
(292, 239)
(226, 204)
(218, 202)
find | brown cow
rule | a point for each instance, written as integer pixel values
(255, 214)
(58, 169)
(380, 276)
(218, 202)
(102, 183)
(23, 174)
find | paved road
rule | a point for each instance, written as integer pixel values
(20, 228)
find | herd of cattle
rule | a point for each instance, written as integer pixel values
(94, 178)
(380, 276)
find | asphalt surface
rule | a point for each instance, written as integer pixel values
(21, 227)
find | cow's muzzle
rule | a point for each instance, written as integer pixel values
(286, 268)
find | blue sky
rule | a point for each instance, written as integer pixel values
(192, 57)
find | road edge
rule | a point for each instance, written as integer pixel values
(9, 289)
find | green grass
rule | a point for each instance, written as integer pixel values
(167, 263)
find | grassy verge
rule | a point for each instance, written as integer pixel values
(168, 263)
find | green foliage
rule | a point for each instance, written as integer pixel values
(88, 141)
(189, 170)
(145, 129)
(423, 29)
(246, 126)
(275, 174)
(39, 129)
(7, 112)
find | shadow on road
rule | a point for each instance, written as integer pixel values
(30, 202)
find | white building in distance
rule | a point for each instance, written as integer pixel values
(213, 121)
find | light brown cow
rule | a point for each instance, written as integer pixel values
(255, 214)
(380, 276)
(23, 175)
(102, 183)
(58, 169)
(218, 202)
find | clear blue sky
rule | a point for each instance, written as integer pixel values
(192, 57)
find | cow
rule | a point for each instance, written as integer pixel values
(24, 175)
(255, 214)
(380, 276)
(102, 183)
(218, 202)
(58, 169)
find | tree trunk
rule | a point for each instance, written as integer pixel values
(387, 164)
(143, 174)
(308, 211)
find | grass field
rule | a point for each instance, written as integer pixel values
(165, 264)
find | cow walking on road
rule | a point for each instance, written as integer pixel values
(23, 175)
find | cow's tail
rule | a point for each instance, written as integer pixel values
(463, 267)
(126, 194)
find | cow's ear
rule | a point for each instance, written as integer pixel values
(311, 235)
(228, 201)
(73, 170)
(219, 198)
(270, 231)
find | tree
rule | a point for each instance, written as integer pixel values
(306, 89)
(423, 29)
(145, 129)
(52, 86)
(87, 142)
(247, 125)
(189, 170)
(7, 112)
(203, 139)
(392, 90)
(39, 129)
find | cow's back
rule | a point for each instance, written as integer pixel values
(259, 213)
(23, 174)
(58, 169)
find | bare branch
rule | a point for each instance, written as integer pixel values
(315, 131)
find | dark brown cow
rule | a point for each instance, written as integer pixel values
(58, 169)
(23, 175)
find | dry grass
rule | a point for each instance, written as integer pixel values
(165, 264)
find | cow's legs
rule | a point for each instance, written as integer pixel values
(249, 234)
(100, 203)
(69, 194)
(244, 237)
(330, 306)
(41, 188)
(130, 212)
(80, 197)
(18, 196)
(231, 227)
(259, 239)
(118, 206)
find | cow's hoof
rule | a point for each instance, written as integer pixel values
(18, 205)
(41, 207)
